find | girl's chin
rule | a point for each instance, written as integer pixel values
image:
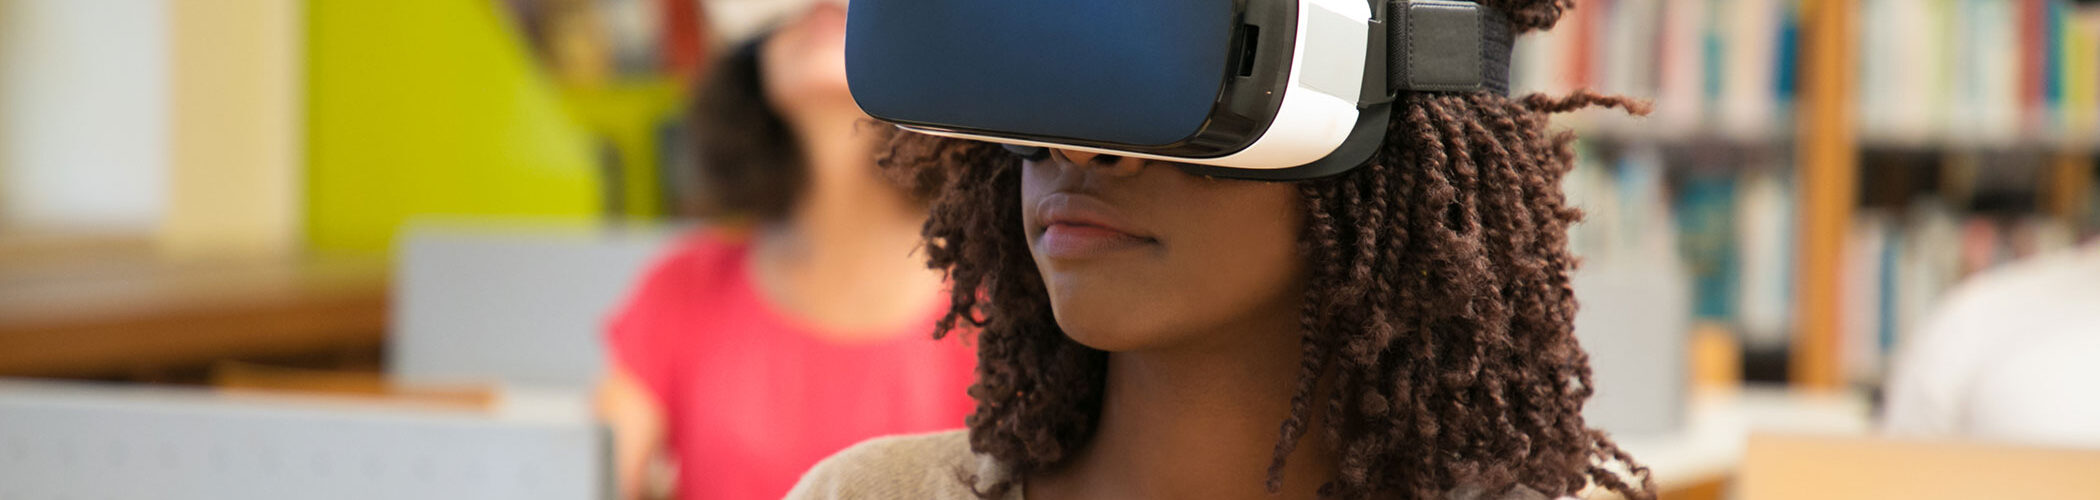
(1116, 335)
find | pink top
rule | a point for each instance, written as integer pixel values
(752, 397)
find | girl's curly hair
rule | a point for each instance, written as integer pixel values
(1439, 306)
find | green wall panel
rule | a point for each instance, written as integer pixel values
(432, 108)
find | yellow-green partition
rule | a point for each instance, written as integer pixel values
(432, 108)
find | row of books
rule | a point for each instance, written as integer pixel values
(1901, 262)
(1713, 67)
(1987, 73)
(1729, 222)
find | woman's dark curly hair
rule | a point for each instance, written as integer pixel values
(747, 160)
(1439, 307)
(748, 165)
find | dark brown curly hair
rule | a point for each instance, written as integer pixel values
(1439, 306)
(747, 164)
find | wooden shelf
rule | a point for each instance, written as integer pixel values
(1828, 163)
(115, 312)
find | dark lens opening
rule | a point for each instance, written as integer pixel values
(1250, 35)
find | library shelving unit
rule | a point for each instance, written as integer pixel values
(1879, 143)
(2045, 58)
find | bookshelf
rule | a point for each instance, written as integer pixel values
(1832, 166)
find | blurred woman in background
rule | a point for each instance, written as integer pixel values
(757, 347)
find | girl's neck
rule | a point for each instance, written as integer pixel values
(1196, 422)
(843, 259)
(846, 200)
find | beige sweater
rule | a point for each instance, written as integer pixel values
(931, 466)
(928, 466)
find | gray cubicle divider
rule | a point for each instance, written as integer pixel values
(89, 442)
(1634, 320)
(512, 304)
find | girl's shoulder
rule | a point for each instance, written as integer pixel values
(938, 466)
(701, 261)
(709, 245)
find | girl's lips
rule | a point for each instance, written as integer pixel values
(1075, 241)
(1078, 226)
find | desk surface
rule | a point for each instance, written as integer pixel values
(109, 311)
(1790, 467)
(1712, 445)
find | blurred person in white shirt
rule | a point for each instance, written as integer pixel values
(2012, 355)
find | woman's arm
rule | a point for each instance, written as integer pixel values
(637, 423)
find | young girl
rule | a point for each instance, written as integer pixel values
(1403, 330)
(754, 350)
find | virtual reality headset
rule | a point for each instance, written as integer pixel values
(1248, 89)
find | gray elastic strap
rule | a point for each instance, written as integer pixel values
(1447, 46)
